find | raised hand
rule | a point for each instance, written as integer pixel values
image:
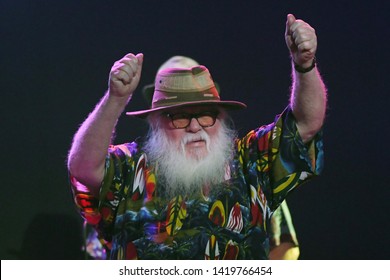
(125, 75)
(301, 40)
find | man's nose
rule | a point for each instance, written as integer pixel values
(194, 126)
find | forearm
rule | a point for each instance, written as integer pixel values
(88, 152)
(308, 93)
(89, 148)
(308, 102)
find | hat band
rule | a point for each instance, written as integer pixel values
(162, 99)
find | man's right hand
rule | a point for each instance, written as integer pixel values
(125, 75)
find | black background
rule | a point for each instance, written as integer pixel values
(55, 60)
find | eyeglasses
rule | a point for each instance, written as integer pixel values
(183, 120)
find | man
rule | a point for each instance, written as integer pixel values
(191, 190)
(283, 241)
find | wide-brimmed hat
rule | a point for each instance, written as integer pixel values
(182, 82)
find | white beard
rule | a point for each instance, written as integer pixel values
(187, 175)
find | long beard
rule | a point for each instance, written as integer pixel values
(177, 173)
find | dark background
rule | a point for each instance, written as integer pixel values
(56, 56)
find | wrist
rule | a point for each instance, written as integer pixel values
(116, 101)
(118, 97)
(304, 68)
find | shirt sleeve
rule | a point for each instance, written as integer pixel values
(101, 212)
(275, 160)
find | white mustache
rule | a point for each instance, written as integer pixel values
(200, 136)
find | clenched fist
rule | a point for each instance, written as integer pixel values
(125, 75)
(301, 40)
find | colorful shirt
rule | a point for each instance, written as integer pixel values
(136, 223)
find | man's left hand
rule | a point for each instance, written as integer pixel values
(301, 40)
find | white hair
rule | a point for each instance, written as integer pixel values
(177, 173)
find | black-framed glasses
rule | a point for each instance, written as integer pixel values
(183, 120)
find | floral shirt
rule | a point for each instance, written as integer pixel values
(136, 223)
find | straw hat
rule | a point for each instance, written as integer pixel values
(181, 81)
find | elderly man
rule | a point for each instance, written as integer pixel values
(191, 189)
